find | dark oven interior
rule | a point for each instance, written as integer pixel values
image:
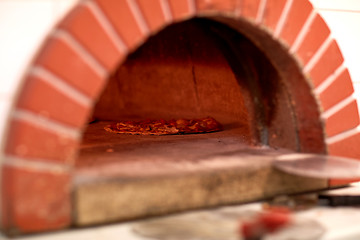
(195, 69)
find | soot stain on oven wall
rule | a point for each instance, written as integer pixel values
(255, 73)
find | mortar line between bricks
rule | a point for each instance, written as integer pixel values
(318, 54)
(165, 8)
(303, 32)
(342, 136)
(330, 79)
(35, 164)
(283, 17)
(46, 123)
(139, 18)
(261, 11)
(192, 7)
(339, 106)
(61, 85)
(82, 52)
(107, 26)
(237, 10)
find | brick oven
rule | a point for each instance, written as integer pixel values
(271, 74)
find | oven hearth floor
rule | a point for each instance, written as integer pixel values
(122, 177)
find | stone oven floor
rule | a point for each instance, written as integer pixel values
(106, 155)
(320, 220)
(125, 177)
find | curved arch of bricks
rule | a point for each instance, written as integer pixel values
(71, 69)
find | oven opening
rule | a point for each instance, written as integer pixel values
(193, 69)
(196, 69)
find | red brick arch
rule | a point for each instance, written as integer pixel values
(57, 93)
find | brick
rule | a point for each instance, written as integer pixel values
(340, 89)
(153, 13)
(249, 8)
(273, 11)
(223, 6)
(34, 200)
(120, 15)
(30, 141)
(348, 147)
(327, 64)
(180, 9)
(58, 57)
(343, 120)
(317, 34)
(342, 182)
(40, 97)
(298, 14)
(83, 25)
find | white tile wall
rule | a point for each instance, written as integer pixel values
(349, 5)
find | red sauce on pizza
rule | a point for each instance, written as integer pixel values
(166, 127)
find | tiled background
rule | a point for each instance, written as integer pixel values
(25, 23)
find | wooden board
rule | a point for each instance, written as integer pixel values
(121, 177)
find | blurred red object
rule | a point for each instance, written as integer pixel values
(265, 222)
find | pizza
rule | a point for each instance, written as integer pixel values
(165, 127)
